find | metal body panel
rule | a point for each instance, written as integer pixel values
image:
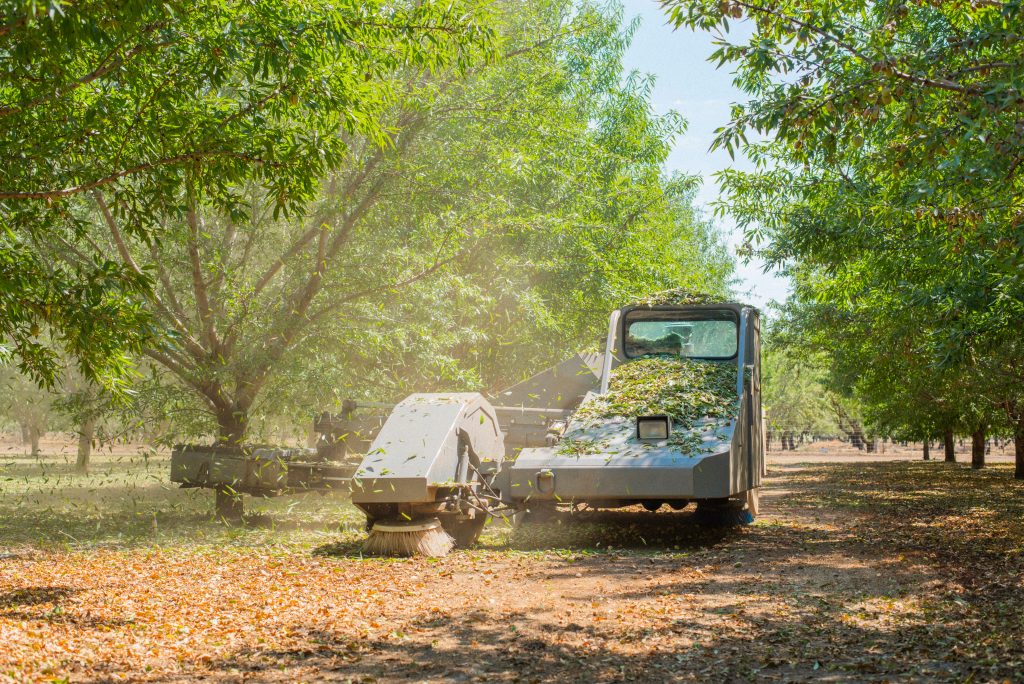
(624, 467)
(562, 386)
(261, 471)
(418, 449)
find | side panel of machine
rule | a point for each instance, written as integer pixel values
(255, 473)
(545, 474)
(560, 387)
(747, 451)
(594, 482)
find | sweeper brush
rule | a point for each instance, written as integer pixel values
(409, 538)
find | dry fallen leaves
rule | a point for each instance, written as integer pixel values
(856, 570)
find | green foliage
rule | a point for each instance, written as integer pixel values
(25, 407)
(887, 182)
(685, 389)
(152, 107)
(795, 395)
(516, 206)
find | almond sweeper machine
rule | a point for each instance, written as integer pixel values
(668, 414)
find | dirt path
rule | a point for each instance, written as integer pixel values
(845, 577)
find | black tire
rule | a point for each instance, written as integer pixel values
(465, 532)
(651, 506)
(723, 514)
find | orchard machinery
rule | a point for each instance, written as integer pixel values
(668, 413)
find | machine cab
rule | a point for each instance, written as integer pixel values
(708, 332)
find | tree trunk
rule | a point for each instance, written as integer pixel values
(947, 441)
(231, 426)
(33, 438)
(229, 504)
(978, 448)
(1018, 449)
(927, 451)
(86, 431)
(25, 434)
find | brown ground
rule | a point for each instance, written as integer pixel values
(855, 571)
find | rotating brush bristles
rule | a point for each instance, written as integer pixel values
(408, 538)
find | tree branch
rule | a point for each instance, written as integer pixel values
(108, 218)
(106, 65)
(198, 285)
(138, 168)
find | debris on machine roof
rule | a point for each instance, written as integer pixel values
(681, 296)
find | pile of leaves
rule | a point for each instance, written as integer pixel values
(677, 297)
(685, 389)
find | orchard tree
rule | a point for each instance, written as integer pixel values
(28, 406)
(888, 173)
(149, 110)
(796, 399)
(513, 206)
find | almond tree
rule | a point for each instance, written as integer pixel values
(155, 107)
(517, 204)
(888, 179)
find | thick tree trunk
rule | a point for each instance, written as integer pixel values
(231, 426)
(978, 448)
(927, 450)
(229, 504)
(949, 446)
(25, 434)
(86, 432)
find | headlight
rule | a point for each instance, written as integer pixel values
(653, 427)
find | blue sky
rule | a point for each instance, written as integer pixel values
(686, 82)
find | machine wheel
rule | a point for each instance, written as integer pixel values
(464, 532)
(651, 506)
(729, 512)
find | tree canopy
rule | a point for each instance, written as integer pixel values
(143, 108)
(513, 204)
(887, 144)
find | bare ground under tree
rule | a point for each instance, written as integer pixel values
(865, 571)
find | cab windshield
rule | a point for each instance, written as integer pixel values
(696, 334)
